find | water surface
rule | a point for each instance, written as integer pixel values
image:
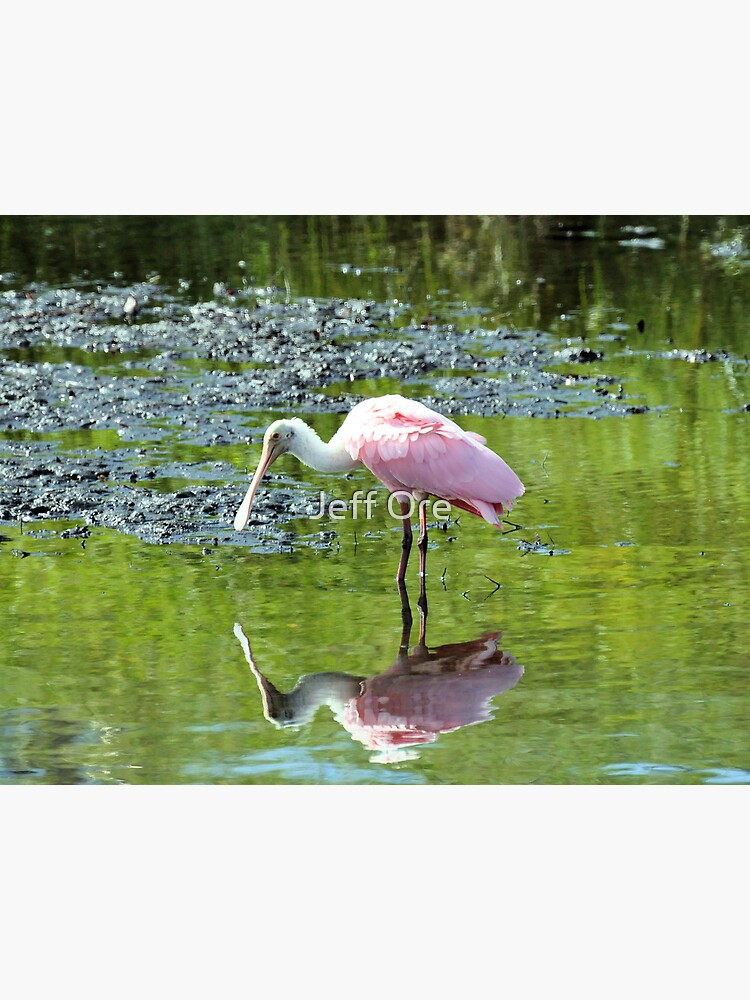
(617, 605)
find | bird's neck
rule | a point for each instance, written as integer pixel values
(325, 457)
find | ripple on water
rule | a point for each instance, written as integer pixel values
(649, 769)
(295, 765)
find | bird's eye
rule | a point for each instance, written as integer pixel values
(275, 436)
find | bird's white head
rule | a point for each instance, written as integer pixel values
(279, 439)
(279, 436)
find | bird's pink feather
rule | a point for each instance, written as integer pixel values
(410, 447)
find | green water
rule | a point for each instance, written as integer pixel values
(622, 594)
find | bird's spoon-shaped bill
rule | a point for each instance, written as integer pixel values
(271, 452)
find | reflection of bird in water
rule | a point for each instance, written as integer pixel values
(413, 450)
(424, 693)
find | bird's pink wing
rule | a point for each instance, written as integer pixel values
(410, 447)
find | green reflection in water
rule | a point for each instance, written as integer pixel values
(685, 277)
(119, 364)
(72, 441)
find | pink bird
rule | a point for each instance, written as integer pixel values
(414, 451)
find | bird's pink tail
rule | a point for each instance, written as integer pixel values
(491, 512)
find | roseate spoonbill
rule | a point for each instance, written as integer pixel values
(413, 450)
(425, 692)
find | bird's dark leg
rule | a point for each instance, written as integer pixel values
(406, 619)
(422, 540)
(422, 545)
(405, 542)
